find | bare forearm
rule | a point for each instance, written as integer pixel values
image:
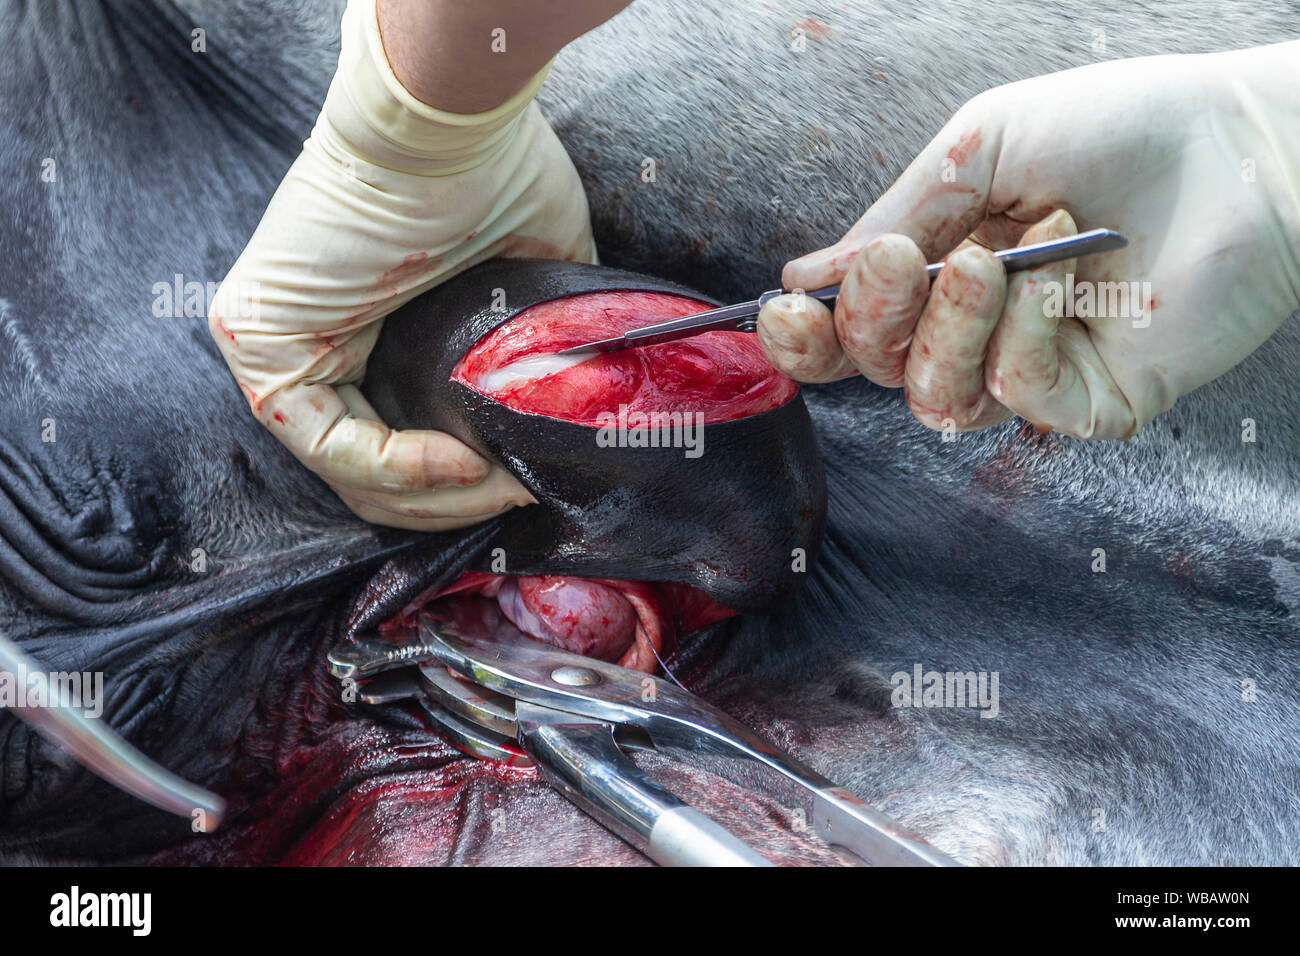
(470, 57)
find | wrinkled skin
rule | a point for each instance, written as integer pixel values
(1123, 735)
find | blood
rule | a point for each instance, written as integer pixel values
(966, 147)
(254, 400)
(221, 324)
(815, 29)
(410, 266)
(631, 623)
(579, 615)
(721, 375)
(324, 782)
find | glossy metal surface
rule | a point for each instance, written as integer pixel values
(99, 749)
(473, 739)
(469, 701)
(581, 759)
(391, 686)
(375, 654)
(523, 669)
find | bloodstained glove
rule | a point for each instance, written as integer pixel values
(388, 198)
(1196, 159)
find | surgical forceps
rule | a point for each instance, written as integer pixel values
(509, 698)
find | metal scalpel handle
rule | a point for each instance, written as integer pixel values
(582, 760)
(1015, 259)
(743, 316)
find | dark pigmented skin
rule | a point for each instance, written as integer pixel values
(730, 522)
(152, 530)
(1125, 733)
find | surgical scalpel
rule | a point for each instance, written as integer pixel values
(509, 698)
(743, 317)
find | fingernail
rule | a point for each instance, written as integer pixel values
(1060, 222)
(796, 272)
(883, 259)
(877, 254)
(774, 329)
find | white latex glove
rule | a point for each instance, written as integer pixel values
(1196, 159)
(388, 198)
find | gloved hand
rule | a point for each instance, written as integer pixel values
(1196, 159)
(388, 198)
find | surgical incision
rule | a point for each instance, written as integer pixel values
(722, 375)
